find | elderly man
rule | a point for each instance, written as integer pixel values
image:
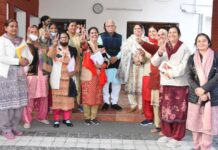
(111, 41)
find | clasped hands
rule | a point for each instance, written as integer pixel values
(23, 62)
(200, 92)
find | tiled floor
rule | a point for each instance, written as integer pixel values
(106, 136)
(42, 143)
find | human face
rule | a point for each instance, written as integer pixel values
(47, 22)
(152, 33)
(161, 37)
(202, 43)
(12, 29)
(64, 39)
(72, 28)
(137, 31)
(110, 26)
(34, 31)
(93, 35)
(53, 28)
(173, 35)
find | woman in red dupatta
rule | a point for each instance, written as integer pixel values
(93, 77)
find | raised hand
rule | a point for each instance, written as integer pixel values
(162, 49)
(139, 40)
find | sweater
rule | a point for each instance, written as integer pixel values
(178, 64)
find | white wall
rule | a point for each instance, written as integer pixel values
(34, 20)
(21, 18)
(152, 11)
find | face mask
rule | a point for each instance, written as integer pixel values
(52, 35)
(33, 37)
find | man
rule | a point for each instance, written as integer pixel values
(111, 41)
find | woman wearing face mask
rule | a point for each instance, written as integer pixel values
(62, 80)
(14, 55)
(131, 68)
(37, 82)
(202, 117)
(172, 60)
(53, 31)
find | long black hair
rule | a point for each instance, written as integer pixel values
(43, 19)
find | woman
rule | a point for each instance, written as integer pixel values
(131, 68)
(154, 85)
(14, 55)
(93, 77)
(202, 117)
(44, 25)
(150, 82)
(172, 60)
(62, 79)
(75, 42)
(37, 82)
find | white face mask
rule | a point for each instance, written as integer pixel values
(33, 37)
(53, 34)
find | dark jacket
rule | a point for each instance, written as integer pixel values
(211, 86)
(112, 45)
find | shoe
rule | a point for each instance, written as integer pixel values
(44, 121)
(27, 125)
(95, 122)
(80, 108)
(173, 143)
(88, 122)
(56, 124)
(163, 139)
(145, 123)
(68, 123)
(116, 107)
(8, 135)
(17, 132)
(105, 107)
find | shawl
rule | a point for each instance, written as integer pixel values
(203, 69)
(128, 48)
(171, 50)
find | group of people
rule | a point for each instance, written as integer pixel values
(175, 89)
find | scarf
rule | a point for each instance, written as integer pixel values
(128, 48)
(16, 41)
(153, 41)
(171, 50)
(203, 69)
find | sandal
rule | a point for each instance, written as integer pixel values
(68, 123)
(8, 135)
(56, 124)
